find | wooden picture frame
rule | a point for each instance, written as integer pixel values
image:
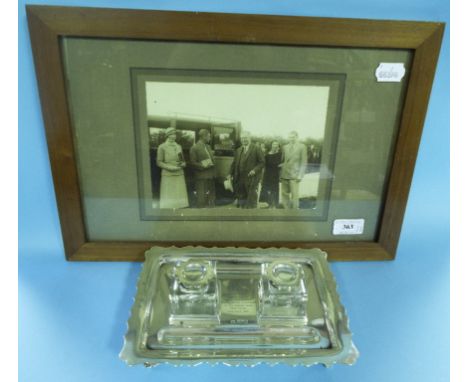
(48, 24)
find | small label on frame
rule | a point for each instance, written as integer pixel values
(390, 72)
(348, 226)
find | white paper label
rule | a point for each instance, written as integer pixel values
(390, 72)
(348, 226)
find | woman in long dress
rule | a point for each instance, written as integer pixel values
(270, 182)
(173, 193)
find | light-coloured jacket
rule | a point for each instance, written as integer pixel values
(170, 154)
(294, 161)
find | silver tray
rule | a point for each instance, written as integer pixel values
(237, 306)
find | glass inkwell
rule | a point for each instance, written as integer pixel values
(283, 295)
(193, 293)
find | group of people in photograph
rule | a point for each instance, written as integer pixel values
(253, 167)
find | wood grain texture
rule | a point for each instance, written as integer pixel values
(55, 113)
(219, 27)
(412, 122)
(135, 251)
(47, 24)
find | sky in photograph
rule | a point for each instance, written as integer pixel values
(264, 110)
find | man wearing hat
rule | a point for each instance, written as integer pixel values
(171, 160)
(202, 160)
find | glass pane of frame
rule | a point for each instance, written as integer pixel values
(300, 139)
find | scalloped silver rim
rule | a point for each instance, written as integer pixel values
(348, 355)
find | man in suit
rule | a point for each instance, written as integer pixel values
(293, 166)
(246, 171)
(202, 161)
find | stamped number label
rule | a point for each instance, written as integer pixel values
(348, 226)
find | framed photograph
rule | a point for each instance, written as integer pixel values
(179, 128)
(235, 143)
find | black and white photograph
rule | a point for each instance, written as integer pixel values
(235, 145)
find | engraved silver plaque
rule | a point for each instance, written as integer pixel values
(237, 306)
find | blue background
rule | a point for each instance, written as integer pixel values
(72, 316)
